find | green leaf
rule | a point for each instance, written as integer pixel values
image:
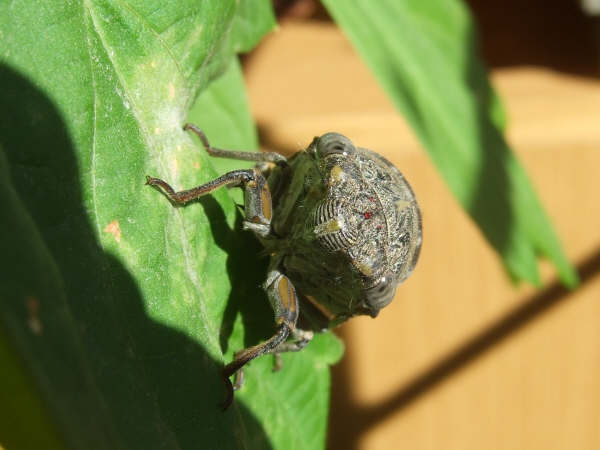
(121, 308)
(424, 55)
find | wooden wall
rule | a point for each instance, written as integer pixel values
(462, 359)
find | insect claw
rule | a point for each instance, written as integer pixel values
(228, 394)
(239, 379)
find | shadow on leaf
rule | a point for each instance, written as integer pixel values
(112, 377)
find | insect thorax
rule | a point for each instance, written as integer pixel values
(344, 222)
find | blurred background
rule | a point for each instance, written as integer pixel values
(463, 358)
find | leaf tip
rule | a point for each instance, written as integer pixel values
(569, 277)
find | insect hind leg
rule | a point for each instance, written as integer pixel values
(273, 157)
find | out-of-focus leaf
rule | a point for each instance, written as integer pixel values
(424, 55)
(25, 422)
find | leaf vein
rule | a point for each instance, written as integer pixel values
(156, 34)
(94, 129)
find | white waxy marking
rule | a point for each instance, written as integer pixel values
(329, 227)
(401, 205)
(336, 175)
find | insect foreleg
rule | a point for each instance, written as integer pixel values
(257, 196)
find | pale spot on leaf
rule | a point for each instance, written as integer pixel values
(196, 165)
(171, 91)
(114, 229)
(33, 312)
(174, 166)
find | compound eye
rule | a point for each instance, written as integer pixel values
(334, 144)
(381, 294)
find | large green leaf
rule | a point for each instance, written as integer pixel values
(119, 306)
(424, 55)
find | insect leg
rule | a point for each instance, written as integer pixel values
(301, 338)
(247, 355)
(257, 196)
(282, 297)
(234, 178)
(273, 157)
